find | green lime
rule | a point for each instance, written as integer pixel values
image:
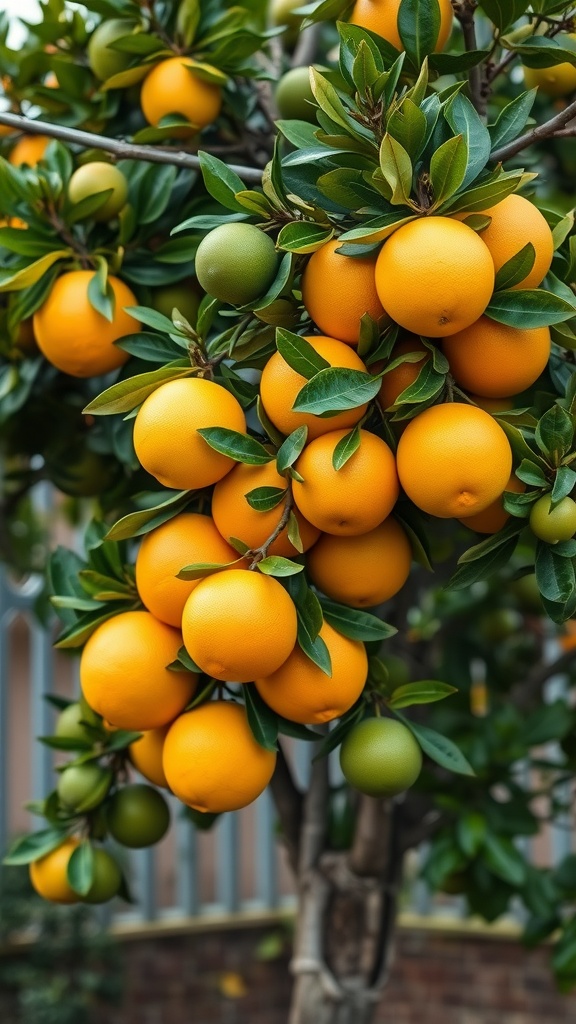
(107, 878)
(99, 176)
(81, 787)
(553, 525)
(104, 61)
(294, 96)
(185, 297)
(236, 263)
(380, 757)
(137, 815)
(69, 724)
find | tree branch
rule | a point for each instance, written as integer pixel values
(542, 131)
(307, 46)
(315, 818)
(465, 15)
(288, 801)
(123, 150)
(369, 851)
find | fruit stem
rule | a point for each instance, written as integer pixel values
(259, 554)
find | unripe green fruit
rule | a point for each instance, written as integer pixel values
(380, 757)
(107, 878)
(398, 671)
(98, 176)
(69, 724)
(82, 787)
(236, 263)
(553, 524)
(280, 13)
(294, 96)
(185, 297)
(138, 816)
(104, 61)
(499, 623)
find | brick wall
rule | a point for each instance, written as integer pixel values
(218, 977)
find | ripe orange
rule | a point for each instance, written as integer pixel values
(558, 80)
(434, 276)
(48, 874)
(171, 89)
(235, 518)
(124, 674)
(146, 755)
(395, 382)
(362, 571)
(515, 222)
(73, 336)
(453, 460)
(493, 405)
(302, 692)
(280, 385)
(212, 761)
(166, 435)
(238, 625)
(494, 517)
(381, 16)
(337, 290)
(28, 150)
(350, 500)
(185, 540)
(496, 361)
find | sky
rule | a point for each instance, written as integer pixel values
(27, 9)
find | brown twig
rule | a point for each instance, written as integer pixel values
(288, 802)
(542, 131)
(307, 46)
(465, 15)
(258, 554)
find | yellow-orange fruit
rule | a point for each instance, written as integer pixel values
(73, 336)
(395, 382)
(188, 539)
(496, 361)
(353, 499)
(338, 290)
(170, 88)
(453, 460)
(234, 517)
(48, 874)
(365, 570)
(238, 625)
(515, 222)
(28, 150)
(212, 761)
(495, 516)
(381, 16)
(302, 692)
(280, 385)
(124, 672)
(146, 755)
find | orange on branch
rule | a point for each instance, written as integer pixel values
(397, 380)
(365, 570)
(494, 517)
(48, 874)
(338, 290)
(146, 755)
(495, 361)
(515, 221)
(381, 17)
(170, 88)
(28, 150)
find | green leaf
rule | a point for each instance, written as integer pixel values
(300, 355)
(439, 748)
(516, 268)
(291, 448)
(339, 732)
(335, 390)
(29, 848)
(482, 560)
(555, 433)
(529, 307)
(465, 121)
(504, 859)
(128, 394)
(276, 565)
(100, 294)
(262, 720)
(135, 524)
(396, 166)
(237, 446)
(152, 318)
(564, 484)
(512, 119)
(447, 168)
(425, 692)
(345, 448)
(199, 570)
(504, 12)
(409, 127)
(80, 870)
(221, 182)
(471, 832)
(493, 191)
(263, 499)
(544, 52)
(555, 575)
(315, 649)
(356, 624)
(16, 280)
(418, 26)
(303, 236)
(530, 473)
(520, 447)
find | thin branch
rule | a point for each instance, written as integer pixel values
(369, 851)
(315, 818)
(121, 149)
(288, 801)
(542, 131)
(307, 46)
(465, 15)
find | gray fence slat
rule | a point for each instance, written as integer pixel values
(266, 855)
(227, 853)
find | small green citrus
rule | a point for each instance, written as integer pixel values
(107, 878)
(184, 296)
(104, 61)
(380, 757)
(553, 525)
(69, 724)
(137, 815)
(81, 787)
(294, 96)
(99, 176)
(236, 263)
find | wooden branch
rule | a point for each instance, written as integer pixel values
(307, 46)
(465, 15)
(315, 818)
(119, 148)
(542, 131)
(288, 801)
(369, 851)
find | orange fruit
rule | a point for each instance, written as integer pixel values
(73, 336)
(515, 222)
(362, 571)
(493, 405)
(280, 384)
(124, 674)
(337, 290)
(381, 16)
(28, 150)
(568, 641)
(48, 874)
(146, 755)
(166, 437)
(558, 80)
(395, 382)
(185, 540)
(350, 500)
(238, 625)
(234, 517)
(496, 361)
(302, 692)
(169, 88)
(212, 761)
(453, 460)
(494, 517)
(434, 276)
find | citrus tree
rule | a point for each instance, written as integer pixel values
(288, 293)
